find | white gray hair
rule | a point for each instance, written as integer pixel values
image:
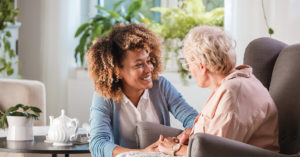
(210, 45)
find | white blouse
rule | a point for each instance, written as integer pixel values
(131, 115)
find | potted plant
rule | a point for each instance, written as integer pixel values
(7, 54)
(175, 24)
(103, 22)
(19, 120)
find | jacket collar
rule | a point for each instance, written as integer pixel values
(239, 71)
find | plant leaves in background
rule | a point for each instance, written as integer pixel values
(176, 22)
(7, 15)
(15, 111)
(35, 109)
(134, 7)
(81, 29)
(102, 24)
(2, 122)
(12, 109)
(116, 5)
(271, 31)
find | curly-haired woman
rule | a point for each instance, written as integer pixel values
(125, 67)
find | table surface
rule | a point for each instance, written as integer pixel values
(39, 146)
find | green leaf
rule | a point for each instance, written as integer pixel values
(8, 34)
(81, 29)
(117, 4)
(81, 47)
(271, 31)
(20, 106)
(11, 53)
(34, 116)
(97, 30)
(6, 45)
(17, 114)
(9, 70)
(25, 108)
(133, 8)
(37, 114)
(116, 15)
(2, 122)
(35, 109)
(12, 109)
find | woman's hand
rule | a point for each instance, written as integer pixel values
(166, 145)
(184, 136)
(154, 147)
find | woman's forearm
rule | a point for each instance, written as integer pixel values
(182, 151)
(118, 150)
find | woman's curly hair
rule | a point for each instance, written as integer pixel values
(107, 52)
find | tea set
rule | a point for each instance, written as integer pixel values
(63, 131)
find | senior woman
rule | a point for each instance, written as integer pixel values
(125, 67)
(240, 107)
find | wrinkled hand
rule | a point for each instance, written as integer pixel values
(154, 147)
(184, 136)
(165, 146)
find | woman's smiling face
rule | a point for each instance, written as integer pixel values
(136, 70)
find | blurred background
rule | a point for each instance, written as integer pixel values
(47, 39)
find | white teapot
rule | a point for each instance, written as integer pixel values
(62, 130)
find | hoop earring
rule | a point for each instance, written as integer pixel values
(117, 77)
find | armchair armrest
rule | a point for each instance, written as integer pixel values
(205, 145)
(148, 133)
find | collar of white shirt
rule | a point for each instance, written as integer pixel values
(144, 97)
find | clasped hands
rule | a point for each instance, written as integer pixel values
(165, 145)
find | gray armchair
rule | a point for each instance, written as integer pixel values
(277, 66)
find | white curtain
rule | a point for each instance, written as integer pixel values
(244, 20)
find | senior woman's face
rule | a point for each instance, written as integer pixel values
(197, 69)
(136, 71)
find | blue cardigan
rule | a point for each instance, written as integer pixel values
(105, 116)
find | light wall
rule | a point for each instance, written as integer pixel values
(46, 43)
(244, 20)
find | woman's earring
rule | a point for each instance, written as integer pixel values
(117, 73)
(117, 78)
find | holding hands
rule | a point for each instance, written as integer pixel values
(171, 145)
(185, 136)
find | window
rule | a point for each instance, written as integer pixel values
(211, 4)
(147, 4)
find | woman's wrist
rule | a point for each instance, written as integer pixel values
(175, 148)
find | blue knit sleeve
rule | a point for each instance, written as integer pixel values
(101, 144)
(177, 105)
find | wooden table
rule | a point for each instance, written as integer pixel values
(39, 146)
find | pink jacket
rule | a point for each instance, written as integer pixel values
(241, 109)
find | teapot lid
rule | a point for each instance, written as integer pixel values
(63, 116)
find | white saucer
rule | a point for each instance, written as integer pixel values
(62, 144)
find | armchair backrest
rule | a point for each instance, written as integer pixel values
(285, 90)
(277, 66)
(261, 55)
(28, 92)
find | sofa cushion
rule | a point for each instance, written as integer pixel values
(148, 133)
